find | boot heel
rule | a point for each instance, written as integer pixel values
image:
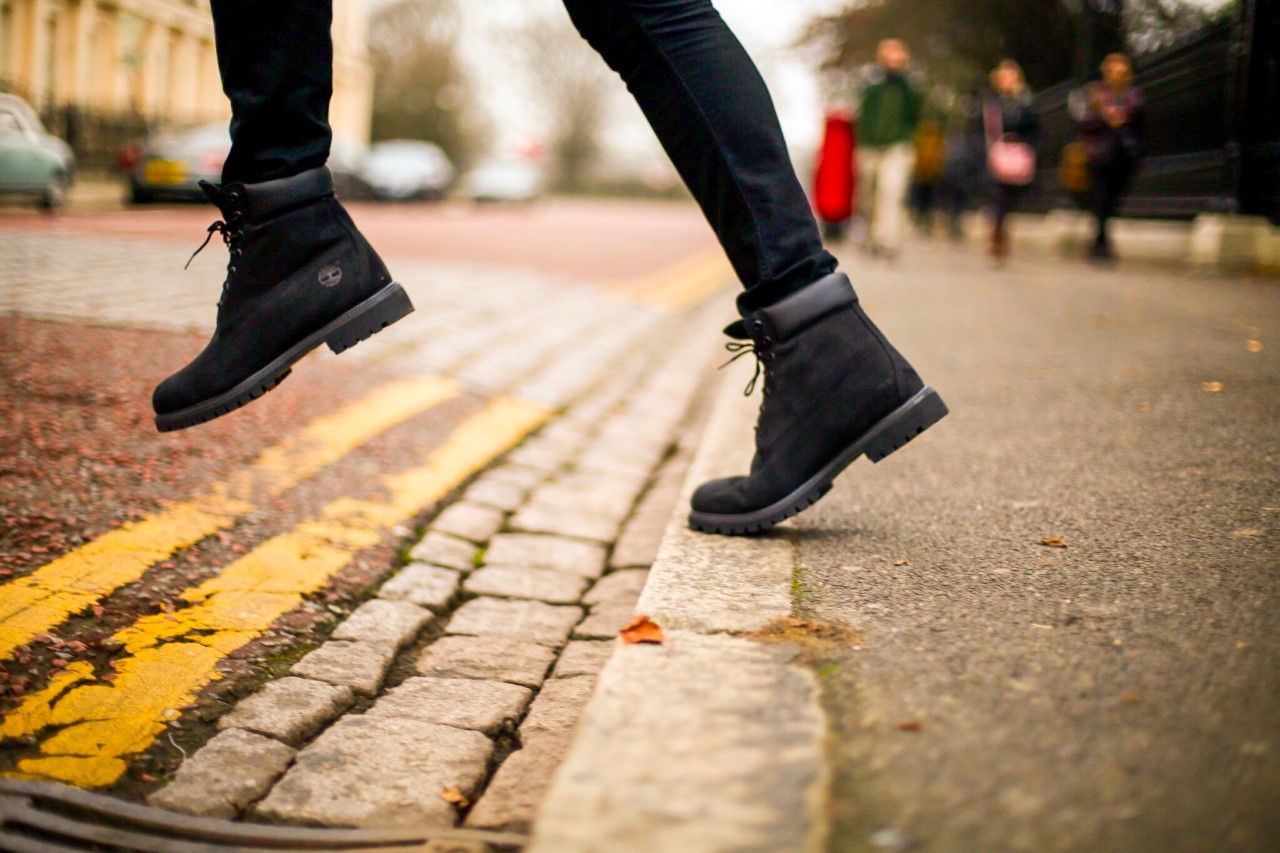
(370, 317)
(906, 422)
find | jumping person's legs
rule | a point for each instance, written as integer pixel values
(834, 387)
(300, 274)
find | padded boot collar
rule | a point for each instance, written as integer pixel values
(266, 199)
(807, 306)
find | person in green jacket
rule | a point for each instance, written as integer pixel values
(888, 117)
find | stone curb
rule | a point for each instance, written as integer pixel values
(710, 741)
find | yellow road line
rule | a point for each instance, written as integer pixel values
(685, 282)
(74, 581)
(170, 657)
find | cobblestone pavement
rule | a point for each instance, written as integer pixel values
(447, 685)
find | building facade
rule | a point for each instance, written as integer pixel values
(155, 59)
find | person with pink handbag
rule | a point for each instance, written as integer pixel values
(1011, 127)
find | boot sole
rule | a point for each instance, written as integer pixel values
(890, 433)
(353, 326)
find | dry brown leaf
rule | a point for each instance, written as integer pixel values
(455, 796)
(1130, 698)
(910, 726)
(1253, 346)
(642, 629)
(1211, 387)
(901, 562)
(1054, 542)
(1248, 531)
(1144, 407)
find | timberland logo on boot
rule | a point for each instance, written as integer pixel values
(330, 275)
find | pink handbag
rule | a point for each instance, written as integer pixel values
(1009, 160)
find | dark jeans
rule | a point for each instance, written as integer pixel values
(1004, 198)
(1110, 181)
(700, 91)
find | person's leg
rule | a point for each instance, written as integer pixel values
(868, 169)
(300, 273)
(276, 62)
(712, 113)
(1099, 206)
(891, 195)
(834, 387)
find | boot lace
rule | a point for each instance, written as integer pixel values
(739, 349)
(231, 234)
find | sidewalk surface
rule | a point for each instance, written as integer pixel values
(1051, 622)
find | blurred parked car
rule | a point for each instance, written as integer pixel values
(503, 180)
(401, 169)
(32, 162)
(171, 165)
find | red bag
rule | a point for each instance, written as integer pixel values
(834, 178)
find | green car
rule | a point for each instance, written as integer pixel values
(32, 163)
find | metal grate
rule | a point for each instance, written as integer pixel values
(40, 817)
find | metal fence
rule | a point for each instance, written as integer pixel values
(1212, 138)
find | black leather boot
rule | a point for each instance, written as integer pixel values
(834, 389)
(300, 274)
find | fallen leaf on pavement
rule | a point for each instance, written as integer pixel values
(642, 629)
(901, 562)
(1248, 531)
(1131, 699)
(910, 726)
(1253, 346)
(1054, 542)
(455, 796)
(1211, 387)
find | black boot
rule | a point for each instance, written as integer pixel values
(834, 389)
(300, 274)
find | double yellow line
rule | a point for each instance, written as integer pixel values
(66, 586)
(172, 656)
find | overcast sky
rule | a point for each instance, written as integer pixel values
(766, 28)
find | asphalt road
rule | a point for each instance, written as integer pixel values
(1119, 693)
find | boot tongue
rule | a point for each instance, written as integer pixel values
(221, 198)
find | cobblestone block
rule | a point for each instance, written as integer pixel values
(516, 475)
(229, 772)
(484, 706)
(469, 521)
(448, 551)
(544, 518)
(641, 537)
(546, 552)
(605, 622)
(538, 584)
(516, 790)
(494, 493)
(617, 588)
(427, 586)
(557, 707)
(379, 773)
(597, 496)
(360, 666)
(493, 658)
(390, 623)
(583, 657)
(522, 620)
(542, 456)
(289, 709)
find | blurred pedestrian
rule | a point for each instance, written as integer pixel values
(1110, 115)
(1011, 129)
(926, 176)
(300, 274)
(888, 117)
